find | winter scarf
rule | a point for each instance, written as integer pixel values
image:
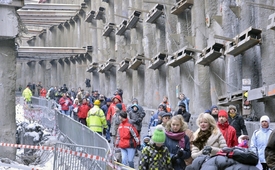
(177, 136)
(202, 138)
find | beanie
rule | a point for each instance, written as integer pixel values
(214, 106)
(97, 102)
(207, 111)
(108, 100)
(265, 118)
(182, 104)
(123, 114)
(159, 135)
(232, 107)
(119, 106)
(223, 113)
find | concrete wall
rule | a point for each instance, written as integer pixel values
(170, 33)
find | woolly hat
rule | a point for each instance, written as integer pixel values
(159, 135)
(207, 111)
(108, 100)
(123, 114)
(182, 104)
(232, 107)
(119, 106)
(223, 113)
(265, 118)
(214, 106)
(97, 102)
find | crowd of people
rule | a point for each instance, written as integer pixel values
(169, 144)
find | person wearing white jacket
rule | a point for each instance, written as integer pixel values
(260, 138)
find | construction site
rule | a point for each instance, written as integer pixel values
(216, 52)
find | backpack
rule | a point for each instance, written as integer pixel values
(242, 155)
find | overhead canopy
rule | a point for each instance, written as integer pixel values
(48, 53)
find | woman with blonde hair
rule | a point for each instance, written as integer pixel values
(177, 142)
(208, 134)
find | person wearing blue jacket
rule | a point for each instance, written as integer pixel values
(260, 138)
(177, 142)
(154, 121)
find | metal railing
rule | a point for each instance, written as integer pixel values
(74, 136)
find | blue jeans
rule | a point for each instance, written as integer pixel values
(128, 155)
(108, 136)
(66, 112)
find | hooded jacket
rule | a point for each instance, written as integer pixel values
(127, 136)
(136, 117)
(259, 141)
(112, 110)
(229, 134)
(96, 120)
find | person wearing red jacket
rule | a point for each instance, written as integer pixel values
(127, 140)
(65, 103)
(83, 110)
(228, 131)
(43, 92)
(112, 108)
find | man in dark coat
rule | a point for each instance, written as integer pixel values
(236, 121)
(182, 111)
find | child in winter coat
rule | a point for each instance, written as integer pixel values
(177, 142)
(145, 143)
(156, 155)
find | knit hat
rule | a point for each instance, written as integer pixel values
(265, 118)
(159, 135)
(123, 114)
(207, 111)
(108, 100)
(182, 104)
(232, 107)
(97, 102)
(223, 113)
(214, 106)
(119, 106)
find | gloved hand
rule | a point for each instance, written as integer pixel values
(174, 159)
(180, 153)
(104, 131)
(207, 150)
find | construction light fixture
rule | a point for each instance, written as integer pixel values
(136, 62)
(108, 29)
(154, 13)
(181, 6)
(124, 64)
(210, 54)
(134, 18)
(158, 61)
(122, 28)
(245, 40)
(90, 16)
(100, 13)
(181, 56)
(92, 67)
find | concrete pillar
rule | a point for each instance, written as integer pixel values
(7, 91)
